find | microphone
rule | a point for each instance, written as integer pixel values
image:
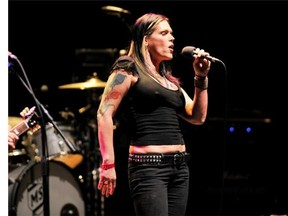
(114, 9)
(189, 51)
(11, 55)
(10, 64)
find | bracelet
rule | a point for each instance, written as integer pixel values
(201, 82)
(200, 77)
(107, 166)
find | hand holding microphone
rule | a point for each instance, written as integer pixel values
(202, 60)
(191, 52)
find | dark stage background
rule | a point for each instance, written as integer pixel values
(232, 173)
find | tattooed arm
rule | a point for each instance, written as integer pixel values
(116, 88)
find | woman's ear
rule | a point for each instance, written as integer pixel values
(145, 41)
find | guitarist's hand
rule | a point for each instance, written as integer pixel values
(12, 139)
(27, 123)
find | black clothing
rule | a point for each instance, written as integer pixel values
(152, 107)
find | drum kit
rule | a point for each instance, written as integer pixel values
(74, 161)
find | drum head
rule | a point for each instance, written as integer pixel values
(56, 145)
(26, 191)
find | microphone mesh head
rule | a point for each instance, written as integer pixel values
(188, 51)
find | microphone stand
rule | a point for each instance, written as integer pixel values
(39, 105)
(44, 164)
(44, 156)
(72, 147)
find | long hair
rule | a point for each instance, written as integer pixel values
(145, 26)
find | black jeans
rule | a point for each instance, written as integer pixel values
(159, 190)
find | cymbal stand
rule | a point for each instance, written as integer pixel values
(95, 200)
(91, 170)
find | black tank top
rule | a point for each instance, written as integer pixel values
(151, 109)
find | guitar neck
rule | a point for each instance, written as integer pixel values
(20, 128)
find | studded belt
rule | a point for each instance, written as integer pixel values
(171, 158)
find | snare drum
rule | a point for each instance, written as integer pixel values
(56, 145)
(26, 191)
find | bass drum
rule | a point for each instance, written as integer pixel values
(26, 191)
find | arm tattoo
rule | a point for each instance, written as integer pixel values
(111, 93)
(118, 79)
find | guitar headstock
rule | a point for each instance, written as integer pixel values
(31, 118)
(30, 122)
(26, 112)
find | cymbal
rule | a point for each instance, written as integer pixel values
(17, 152)
(14, 120)
(93, 82)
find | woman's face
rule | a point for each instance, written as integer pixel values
(161, 42)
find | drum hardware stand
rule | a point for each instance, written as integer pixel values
(95, 200)
(92, 174)
(90, 142)
(41, 109)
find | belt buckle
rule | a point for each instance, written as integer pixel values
(178, 158)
